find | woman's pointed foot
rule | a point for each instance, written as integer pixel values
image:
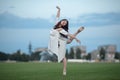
(64, 73)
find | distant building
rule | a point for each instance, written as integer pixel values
(30, 48)
(81, 52)
(95, 55)
(45, 56)
(109, 51)
(40, 49)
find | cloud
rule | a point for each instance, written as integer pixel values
(98, 19)
(12, 7)
(99, 29)
(46, 8)
(8, 20)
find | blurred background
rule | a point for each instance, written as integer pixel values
(25, 24)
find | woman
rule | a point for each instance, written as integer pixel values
(59, 37)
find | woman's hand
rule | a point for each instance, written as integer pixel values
(58, 7)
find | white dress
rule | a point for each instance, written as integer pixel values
(57, 43)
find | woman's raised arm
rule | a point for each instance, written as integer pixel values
(58, 14)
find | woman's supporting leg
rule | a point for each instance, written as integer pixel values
(64, 65)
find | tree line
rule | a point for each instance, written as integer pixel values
(78, 54)
(18, 56)
(35, 56)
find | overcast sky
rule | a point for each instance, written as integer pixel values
(100, 18)
(46, 8)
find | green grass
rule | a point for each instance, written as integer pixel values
(53, 71)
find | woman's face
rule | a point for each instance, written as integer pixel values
(63, 23)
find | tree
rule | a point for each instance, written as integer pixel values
(117, 55)
(18, 56)
(78, 53)
(3, 56)
(102, 54)
(35, 56)
(71, 54)
(25, 57)
(88, 57)
(67, 55)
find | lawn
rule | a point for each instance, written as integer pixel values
(53, 71)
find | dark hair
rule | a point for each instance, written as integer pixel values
(64, 27)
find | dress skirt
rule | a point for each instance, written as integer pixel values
(57, 44)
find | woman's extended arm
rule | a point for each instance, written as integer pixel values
(71, 36)
(70, 40)
(75, 34)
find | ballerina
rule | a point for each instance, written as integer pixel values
(59, 37)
